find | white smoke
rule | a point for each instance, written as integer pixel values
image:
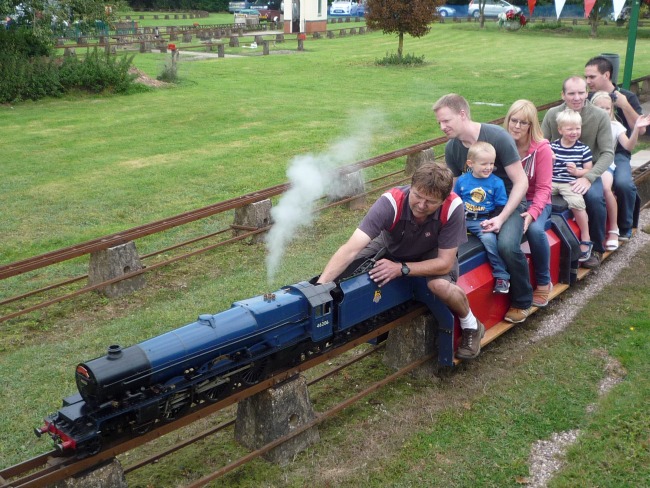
(313, 176)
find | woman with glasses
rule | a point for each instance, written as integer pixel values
(537, 158)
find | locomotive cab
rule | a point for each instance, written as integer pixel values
(321, 309)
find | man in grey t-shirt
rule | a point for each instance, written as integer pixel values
(453, 116)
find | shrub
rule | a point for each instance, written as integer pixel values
(396, 59)
(23, 78)
(24, 41)
(97, 72)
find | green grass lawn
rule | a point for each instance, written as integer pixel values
(185, 147)
(78, 168)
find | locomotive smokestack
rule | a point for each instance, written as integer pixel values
(114, 351)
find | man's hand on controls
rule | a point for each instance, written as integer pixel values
(384, 271)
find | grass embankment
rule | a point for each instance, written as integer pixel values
(76, 169)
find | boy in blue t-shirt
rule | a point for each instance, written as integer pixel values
(484, 196)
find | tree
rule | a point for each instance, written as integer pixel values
(481, 10)
(42, 16)
(411, 17)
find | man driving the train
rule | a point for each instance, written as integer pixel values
(421, 226)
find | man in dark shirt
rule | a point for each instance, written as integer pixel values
(627, 108)
(421, 226)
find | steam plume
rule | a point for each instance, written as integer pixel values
(313, 176)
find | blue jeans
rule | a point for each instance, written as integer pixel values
(597, 214)
(540, 251)
(489, 241)
(509, 240)
(625, 191)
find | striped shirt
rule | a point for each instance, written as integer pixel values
(579, 153)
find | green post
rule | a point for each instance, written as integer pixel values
(631, 43)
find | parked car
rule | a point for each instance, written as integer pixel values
(446, 11)
(344, 7)
(236, 6)
(270, 10)
(247, 16)
(492, 8)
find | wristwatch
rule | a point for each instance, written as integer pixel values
(405, 269)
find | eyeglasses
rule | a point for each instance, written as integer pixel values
(520, 123)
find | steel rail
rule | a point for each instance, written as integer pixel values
(224, 425)
(152, 267)
(186, 243)
(309, 425)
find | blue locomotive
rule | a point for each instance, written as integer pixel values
(129, 390)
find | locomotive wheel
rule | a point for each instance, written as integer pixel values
(92, 447)
(217, 393)
(257, 371)
(142, 429)
(176, 405)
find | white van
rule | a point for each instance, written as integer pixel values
(344, 7)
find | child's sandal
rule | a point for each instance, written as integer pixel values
(612, 244)
(585, 255)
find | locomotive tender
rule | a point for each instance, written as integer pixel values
(129, 390)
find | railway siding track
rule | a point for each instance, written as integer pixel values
(641, 175)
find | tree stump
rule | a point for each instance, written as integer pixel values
(251, 217)
(274, 413)
(110, 474)
(415, 160)
(350, 185)
(410, 342)
(112, 263)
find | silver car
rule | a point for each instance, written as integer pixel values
(492, 8)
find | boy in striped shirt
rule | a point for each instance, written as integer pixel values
(572, 160)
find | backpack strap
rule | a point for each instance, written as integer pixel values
(396, 197)
(450, 204)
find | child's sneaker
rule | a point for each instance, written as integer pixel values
(501, 286)
(517, 315)
(626, 235)
(585, 255)
(540, 297)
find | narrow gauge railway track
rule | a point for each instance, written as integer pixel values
(134, 233)
(48, 468)
(250, 232)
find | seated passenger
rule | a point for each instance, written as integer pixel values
(572, 161)
(484, 196)
(537, 159)
(421, 226)
(599, 74)
(453, 115)
(597, 134)
(619, 135)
